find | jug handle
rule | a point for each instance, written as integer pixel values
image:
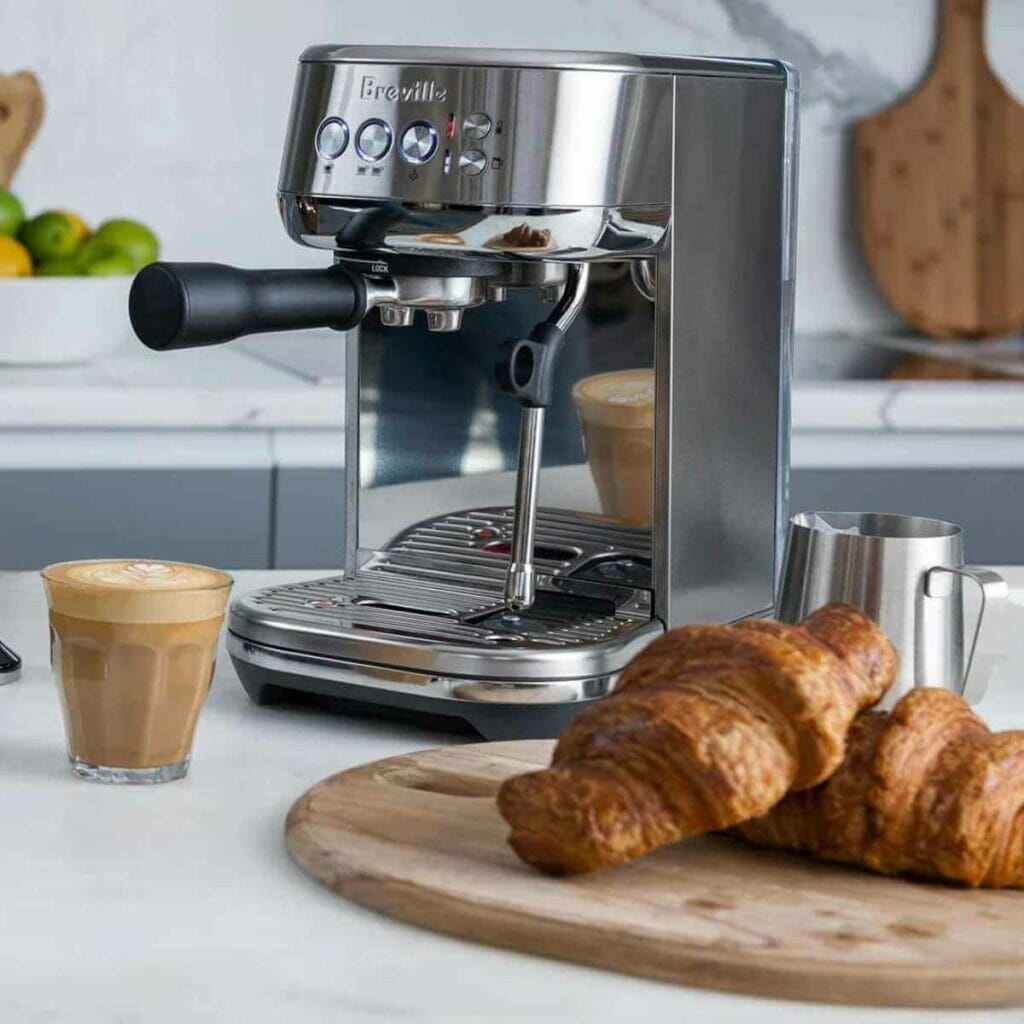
(995, 596)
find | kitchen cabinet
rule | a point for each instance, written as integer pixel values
(214, 516)
(292, 517)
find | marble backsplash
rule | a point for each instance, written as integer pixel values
(174, 113)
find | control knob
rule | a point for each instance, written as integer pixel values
(419, 142)
(473, 162)
(373, 140)
(332, 138)
(476, 126)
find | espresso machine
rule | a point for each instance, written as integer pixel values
(502, 223)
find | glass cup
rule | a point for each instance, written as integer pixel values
(133, 645)
(616, 413)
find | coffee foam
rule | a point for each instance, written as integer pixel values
(622, 398)
(136, 590)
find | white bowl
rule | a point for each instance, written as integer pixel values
(56, 321)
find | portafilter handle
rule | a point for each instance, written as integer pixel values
(525, 371)
(188, 305)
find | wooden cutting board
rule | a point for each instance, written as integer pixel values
(419, 838)
(21, 111)
(940, 188)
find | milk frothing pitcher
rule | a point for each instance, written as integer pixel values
(907, 573)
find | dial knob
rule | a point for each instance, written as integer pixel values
(332, 138)
(373, 139)
(476, 126)
(419, 142)
(473, 162)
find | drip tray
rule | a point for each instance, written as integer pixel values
(549, 611)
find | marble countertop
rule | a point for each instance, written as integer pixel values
(226, 387)
(295, 382)
(277, 400)
(179, 903)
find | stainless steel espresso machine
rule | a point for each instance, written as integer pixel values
(547, 215)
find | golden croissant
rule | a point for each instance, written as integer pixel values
(709, 726)
(927, 790)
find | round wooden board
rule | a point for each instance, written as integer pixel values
(419, 837)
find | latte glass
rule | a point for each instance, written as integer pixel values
(616, 413)
(133, 645)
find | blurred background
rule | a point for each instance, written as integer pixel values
(173, 116)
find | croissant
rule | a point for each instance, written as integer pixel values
(927, 790)
(709, 726)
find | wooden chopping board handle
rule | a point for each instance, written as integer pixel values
(961, 31)
(21, 111)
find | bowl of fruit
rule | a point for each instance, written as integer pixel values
(64, 285)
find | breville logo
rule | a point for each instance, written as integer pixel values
(423, 91)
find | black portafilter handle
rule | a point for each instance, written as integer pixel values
(187, 305)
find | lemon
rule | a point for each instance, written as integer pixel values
(132, 238)
(48, 235)
(82, 230)
(12, 213)
(15, 259)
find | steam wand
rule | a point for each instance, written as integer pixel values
(525, 370)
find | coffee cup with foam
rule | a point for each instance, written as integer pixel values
(133, 644)
(616, 412)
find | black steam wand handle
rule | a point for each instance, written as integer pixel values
(187, 305)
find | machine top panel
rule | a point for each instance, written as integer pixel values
(559, 60)
(422, 149)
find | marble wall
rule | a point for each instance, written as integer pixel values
(174, 112)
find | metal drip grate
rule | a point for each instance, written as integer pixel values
(440, 581)
(475, 543)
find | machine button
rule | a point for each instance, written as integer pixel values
(476, 126)
(419, 142)
(331, 138)
(373, 140)
(473, 162)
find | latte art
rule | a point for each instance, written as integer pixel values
(141, 571)
(638, 394)
(141, 575)
(136, 590)
(621, 387)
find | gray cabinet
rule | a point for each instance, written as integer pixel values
(308, 518)
(291, 517)
(986, 502)
(218, 517)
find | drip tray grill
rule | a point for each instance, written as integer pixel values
(432, 601)
(383, 600)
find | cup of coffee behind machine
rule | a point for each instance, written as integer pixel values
(133, 645)
(907, 573)
(616, 413)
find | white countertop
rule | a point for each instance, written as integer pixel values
(227, 387)
(277, 400)
(294, 381)
(178, 903)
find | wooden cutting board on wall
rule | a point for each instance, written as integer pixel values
(419, 837)
(940, 189)
(21, 111)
